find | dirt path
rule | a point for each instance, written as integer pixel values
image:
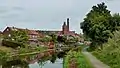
(94, 61)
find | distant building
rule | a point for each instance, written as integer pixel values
(33, 34)
(0, 37)
(1, 33)
(65, 30)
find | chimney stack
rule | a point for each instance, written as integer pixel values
(68, 23)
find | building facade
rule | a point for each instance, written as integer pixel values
(34, 35)
(65, 30)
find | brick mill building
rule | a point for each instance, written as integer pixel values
(65, 30)
(35, 34)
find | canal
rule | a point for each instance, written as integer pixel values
(48, 64)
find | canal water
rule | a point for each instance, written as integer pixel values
(58, 64)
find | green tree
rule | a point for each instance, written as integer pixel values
(54, 38)
(96, 26)
(47, 38)
(19, 36)
(115, 22)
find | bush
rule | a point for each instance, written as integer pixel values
(110, 54)
(11, 44)
(79, 58)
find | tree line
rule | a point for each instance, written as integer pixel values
(99, 25)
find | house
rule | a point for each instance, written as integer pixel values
(1, 33)
(32, 34)
(0, 38)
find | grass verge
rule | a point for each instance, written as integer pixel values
(81, 60)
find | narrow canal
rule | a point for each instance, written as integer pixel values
(48, 64)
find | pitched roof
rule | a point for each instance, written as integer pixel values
(0, 32)
(29, 31)
(33, 32)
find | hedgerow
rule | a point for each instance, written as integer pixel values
(110, 54)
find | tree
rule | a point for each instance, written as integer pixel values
(47, 38)
(96, 26)
(115, 22)
(54, 38)
(19, 36)
(61, 39)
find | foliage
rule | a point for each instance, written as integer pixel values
(15, 64)
(12, 44)
(45, 39)
(115, 22)
(81, 61)
(3, 56)
(40, 48)
(54, 38)
(54, 57)
(96, 26)
(62, 39)
(110, 53)
(19, 36)
(72, 39)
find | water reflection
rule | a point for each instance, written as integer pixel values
(22, 64)
(42, 60)
(31, 61)
(48, 64)
(15, 64)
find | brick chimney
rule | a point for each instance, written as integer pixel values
(64, 26)
(68, 24)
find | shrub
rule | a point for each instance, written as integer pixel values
(110, 54)
(11, 44)
(79, 58)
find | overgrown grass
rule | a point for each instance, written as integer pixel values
(81, 60)
(110, 54)
(6, 49)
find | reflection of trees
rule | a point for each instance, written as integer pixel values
(41, 64)
(53, 58)
(42, 61)
(15, 64)
(61, 54)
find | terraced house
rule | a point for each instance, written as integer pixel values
(33, 34)
(0, 33)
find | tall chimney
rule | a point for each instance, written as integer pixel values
(68, 23)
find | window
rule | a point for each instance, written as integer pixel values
(7, 29)
(33, 36)
(9, 35)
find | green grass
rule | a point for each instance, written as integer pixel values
(88, 61)
(82, 61)
(110, 54)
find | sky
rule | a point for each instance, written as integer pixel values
(48, 14)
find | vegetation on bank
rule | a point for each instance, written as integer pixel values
(99, 25)
(110, 54)
(77, 59)
(103, 29)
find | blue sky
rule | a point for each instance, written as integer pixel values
(48, 14)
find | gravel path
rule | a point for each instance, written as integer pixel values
(96, 63)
